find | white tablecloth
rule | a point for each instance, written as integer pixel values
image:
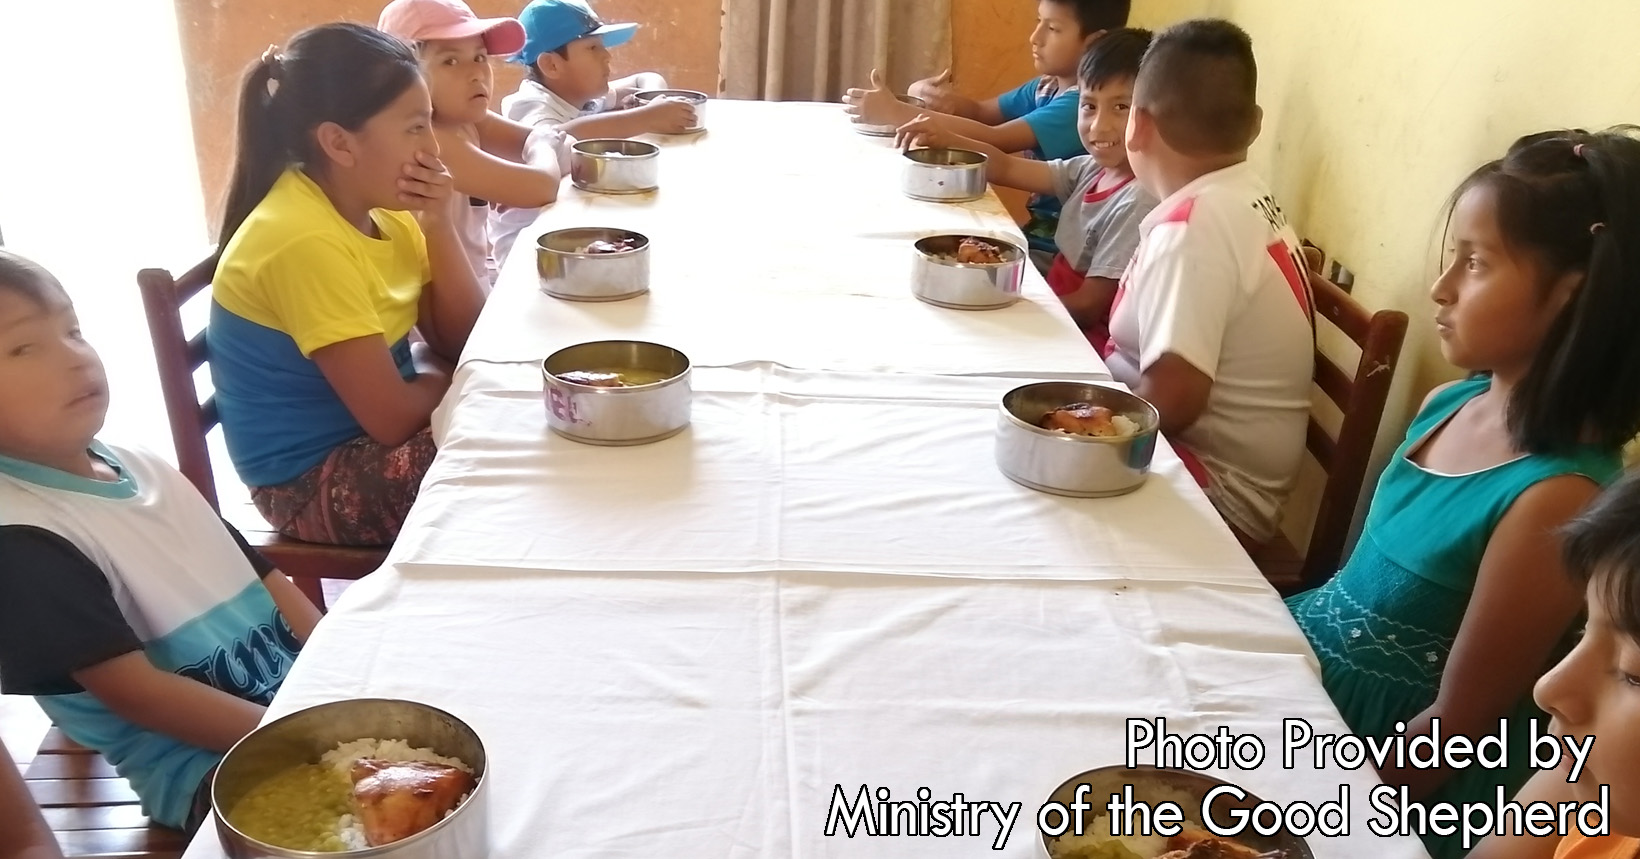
(681, 649)
(780, 236)
(787, 469)
(644, 714)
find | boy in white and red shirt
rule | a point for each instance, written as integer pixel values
(1213, 320)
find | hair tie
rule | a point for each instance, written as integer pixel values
(275, 61)
(1577, 150)
(1596, 228)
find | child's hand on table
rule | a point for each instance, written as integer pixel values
(922, 132)
(668, 115)
(877, 105)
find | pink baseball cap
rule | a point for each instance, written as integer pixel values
(421, 20)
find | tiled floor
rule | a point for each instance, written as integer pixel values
(101, 183)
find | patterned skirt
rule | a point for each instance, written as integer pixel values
(359, 496)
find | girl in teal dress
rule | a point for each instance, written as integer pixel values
(1455, 599)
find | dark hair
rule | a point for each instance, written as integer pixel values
(1603, 542)
(1095, 15)
(1114, 56)
(22, 276)
(1199, 81)
(341, 73)
(1571, 201)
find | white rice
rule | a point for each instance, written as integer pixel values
(397, 751)
(348, 828)
(1125, 426)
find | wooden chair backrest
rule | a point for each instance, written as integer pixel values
(178, 356)
(1360, 398)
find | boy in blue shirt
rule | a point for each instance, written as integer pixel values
(1037, 118)
(143, 625)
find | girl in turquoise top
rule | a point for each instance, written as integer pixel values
(1455, 600)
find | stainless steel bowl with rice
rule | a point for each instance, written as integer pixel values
(371, 777)
(1076, 438)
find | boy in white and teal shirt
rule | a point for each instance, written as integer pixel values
(143, 625)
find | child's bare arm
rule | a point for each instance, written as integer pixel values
(170, 704)
(299, 612)
(1505, 642)
(502, 137)
(878, 106)
(1172, 384)
(500, 180)
(388, 408)
(622, 89)
(669, 116)
(1090, 305)
(1012, 171)
(452, 299)
(941, 96)
(1015, 135)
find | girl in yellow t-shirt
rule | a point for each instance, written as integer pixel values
(338, 245)
(1595, 690)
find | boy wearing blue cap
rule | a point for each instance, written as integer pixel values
(566, 52)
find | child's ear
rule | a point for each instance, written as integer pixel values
(546, 66)
(1258, 124)
(1089, 39)
(1141, 129)
(336, 143)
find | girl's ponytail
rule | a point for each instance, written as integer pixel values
(1596, 354)
(261, 153)
(340, 73)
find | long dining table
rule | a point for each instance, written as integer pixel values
(691, 648)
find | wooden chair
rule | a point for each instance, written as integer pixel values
(1361, 399)
(90, 808)
(191, 419)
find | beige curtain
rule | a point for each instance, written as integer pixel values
(812, 50)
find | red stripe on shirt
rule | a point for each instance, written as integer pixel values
(1180, 213)
(1290, 273)
(1094, 196)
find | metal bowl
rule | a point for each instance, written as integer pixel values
(570, 273)
(1157, 784)
(698, 99)
(937, 278)
(887, 130)
(304, 736)
(615, 166)
(1075, 465)
(944, 175)
(617, 416)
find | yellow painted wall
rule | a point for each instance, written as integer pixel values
(1374, 111)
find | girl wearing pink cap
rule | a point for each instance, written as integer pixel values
(492, 160)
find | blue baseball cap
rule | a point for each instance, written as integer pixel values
(552, 24)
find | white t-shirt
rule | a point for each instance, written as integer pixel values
(534, 104)
(472, 220)
(91, 570)
(545, 142)
(1217, 280)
